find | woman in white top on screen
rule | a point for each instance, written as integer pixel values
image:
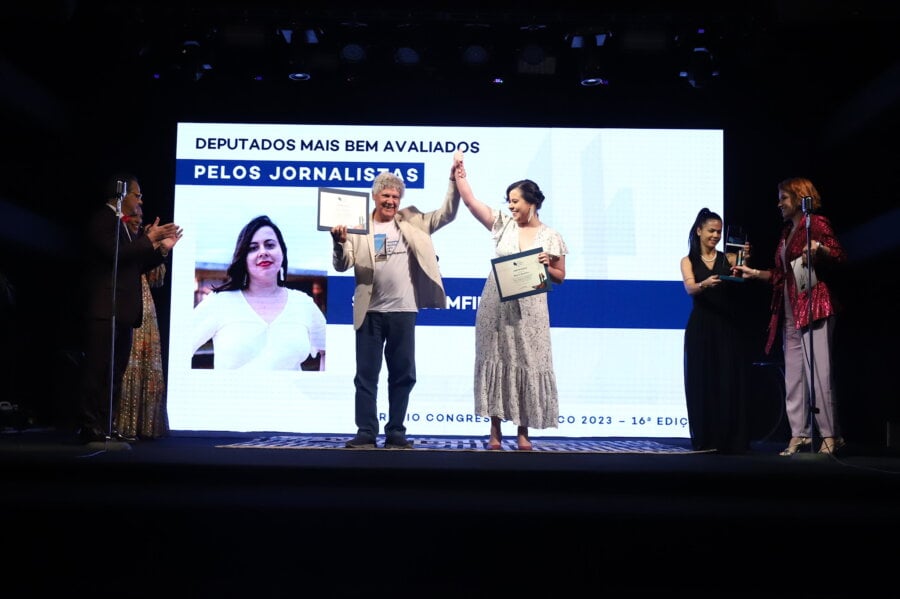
(254, 321)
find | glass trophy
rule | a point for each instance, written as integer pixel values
(735, 240)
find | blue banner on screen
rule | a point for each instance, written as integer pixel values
(622, 199)
(262, 173)
(578, 304)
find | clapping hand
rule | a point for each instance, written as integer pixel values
(157, 232)
(168, 243)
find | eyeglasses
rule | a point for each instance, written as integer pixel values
(137, 195)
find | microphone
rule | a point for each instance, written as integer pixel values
(121, 192)
(806, 204)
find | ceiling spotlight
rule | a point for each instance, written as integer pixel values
(194, 61)
(353, 53)
(475, 45)
(578, 41)
(299, 37)
(589, 51)
(535, 55)
(535, 59)
(310, 36)
(407, 56)
(475, 55)
(301, 47)
(701, 69)
(592, 75)
(698, 53)
(593, 81)
(532, 54)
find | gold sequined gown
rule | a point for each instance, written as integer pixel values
(142, 404)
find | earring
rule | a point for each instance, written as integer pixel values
(280, 276)
(530, 213)
(245, 281)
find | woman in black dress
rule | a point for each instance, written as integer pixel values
(716, 365)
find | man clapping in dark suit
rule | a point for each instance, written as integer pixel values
(114, 307)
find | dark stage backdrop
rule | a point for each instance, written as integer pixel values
(61, 149)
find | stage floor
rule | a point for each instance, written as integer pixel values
(276, 522)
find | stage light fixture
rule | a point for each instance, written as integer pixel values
(407, 56)
(589, 54)
(300, 48)
(480, 58)
(535, 54)
(701, 67)
(532, 54)
(410, 47)
(475, 55)
(311, 36)
(351, 41)
(353, 53)
(194, 61)
(475, 49)
(701, 70)
(352, 47)
(591, 75)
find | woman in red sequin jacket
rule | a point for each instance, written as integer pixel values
(800, 295)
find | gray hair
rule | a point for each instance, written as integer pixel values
(387, 180)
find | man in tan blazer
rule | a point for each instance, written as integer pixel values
(396, 273)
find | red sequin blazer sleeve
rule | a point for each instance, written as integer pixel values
(822, 302)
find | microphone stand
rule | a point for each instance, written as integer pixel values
(109, 444)
(811, 382)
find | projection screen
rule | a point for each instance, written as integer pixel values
(622, 199)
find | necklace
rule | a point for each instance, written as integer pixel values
(713, 259)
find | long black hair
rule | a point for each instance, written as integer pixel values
(704, 215)
(237, 271)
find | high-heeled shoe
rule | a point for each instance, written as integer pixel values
(831, 445)
(523, 442)
(493, 444)
(795, 445)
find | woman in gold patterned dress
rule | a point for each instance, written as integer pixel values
(142, 405)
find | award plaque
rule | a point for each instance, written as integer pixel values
(520, 275)
(342, 207)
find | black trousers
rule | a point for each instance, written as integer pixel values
(96, 400)
(392, 335)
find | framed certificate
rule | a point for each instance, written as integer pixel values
(520, 275)
(802, 275)
(342, 207)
